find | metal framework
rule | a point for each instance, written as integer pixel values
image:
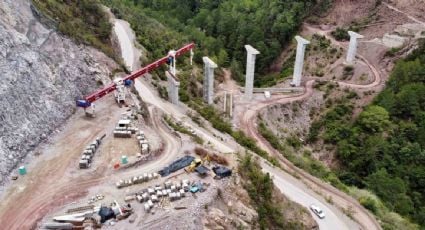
(86, 102)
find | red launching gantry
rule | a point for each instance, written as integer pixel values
(118, 84)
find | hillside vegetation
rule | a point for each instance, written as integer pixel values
(384, 149)
(220, 28)
(85, 21)
(272, 210)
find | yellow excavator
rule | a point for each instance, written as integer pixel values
(197, 162)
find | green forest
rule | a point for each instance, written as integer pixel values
(384, 149)
(85, 21)
(219, 28)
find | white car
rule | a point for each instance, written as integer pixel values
(318, 211)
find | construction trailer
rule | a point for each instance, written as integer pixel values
(221, 172)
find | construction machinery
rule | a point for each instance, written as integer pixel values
(120, 83)
(195, 163)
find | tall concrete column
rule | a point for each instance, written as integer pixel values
(209, 67)
(173, 88)
(225, 101)
(352, 48)
(250, 69)
(231, 104)
(299, 60)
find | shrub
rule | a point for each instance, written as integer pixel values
(340, 34)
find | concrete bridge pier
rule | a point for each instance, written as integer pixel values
(173, 88)
(208, 89)
(299, 60)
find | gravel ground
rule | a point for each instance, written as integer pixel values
(41, 75)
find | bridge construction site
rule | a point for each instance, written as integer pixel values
(122, 162)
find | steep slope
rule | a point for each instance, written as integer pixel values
(41, 75)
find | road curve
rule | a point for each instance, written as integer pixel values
(248, 125)
(301, 194)
(290, 187)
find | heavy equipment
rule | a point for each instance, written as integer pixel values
(119, 83)
(195, 163)
(198, 162)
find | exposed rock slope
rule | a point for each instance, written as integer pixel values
(41, 74)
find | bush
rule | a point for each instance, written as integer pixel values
(369, 204)
(340, 34)
(84, 21)
(260, 188)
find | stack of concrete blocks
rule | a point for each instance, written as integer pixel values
(299, 60)
(124, 129)
(250, 70)
(137, 180)
(173, 88)
(173, 190)
(88, 153)
(352, 47)
(143, 143)
(208, 87)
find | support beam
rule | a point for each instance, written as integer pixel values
(225, 101)
(299, 60)
(173, 88)
(250, 70)
(352, 48)
(209, 67)
(231, 105)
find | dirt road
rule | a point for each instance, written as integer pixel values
(248, 125)
(53, 181)
(48, 183)
(406, 14)
(335, 217)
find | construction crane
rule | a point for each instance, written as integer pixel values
(119, 83)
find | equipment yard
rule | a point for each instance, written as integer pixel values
(56, 183)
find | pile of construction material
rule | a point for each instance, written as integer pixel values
(143, 143)
(137, 180)
(173, 190)
(176, 165)
(124, 129)
(92, 216)
(88, 153)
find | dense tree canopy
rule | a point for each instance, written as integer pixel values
(385, 148)
(85, 21)
(222, 28)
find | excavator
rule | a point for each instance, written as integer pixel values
(196, 163)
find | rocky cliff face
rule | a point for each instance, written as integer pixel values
(41, 75)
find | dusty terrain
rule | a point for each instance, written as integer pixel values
(281, 109)
(42, 73)
(53, 183)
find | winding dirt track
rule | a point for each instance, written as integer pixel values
(24, 209)
(248, 125)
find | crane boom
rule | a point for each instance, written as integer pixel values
(86, 102)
